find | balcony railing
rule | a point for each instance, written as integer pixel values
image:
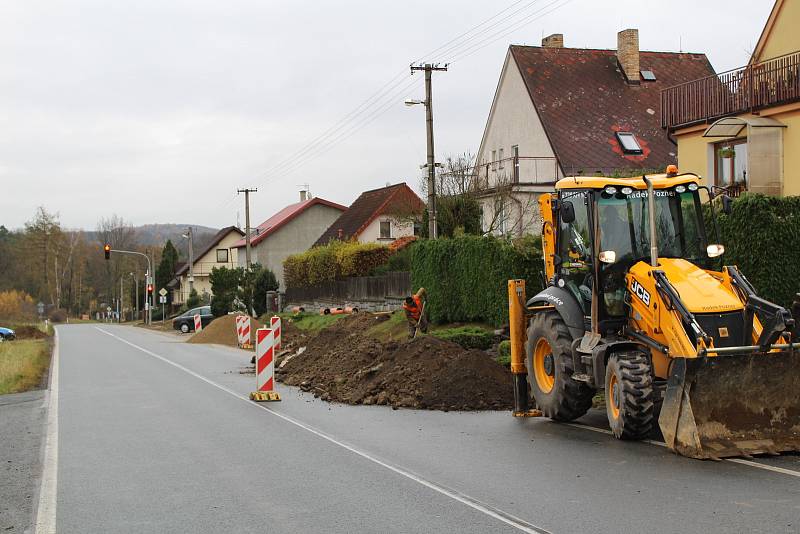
(524, 170)
(746, 89)
(203, 268)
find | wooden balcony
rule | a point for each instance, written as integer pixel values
(743, 90)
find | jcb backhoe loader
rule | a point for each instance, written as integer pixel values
(632, 308)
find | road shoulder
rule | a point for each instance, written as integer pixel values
(23, 416)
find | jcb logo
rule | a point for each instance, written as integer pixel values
(641, 292)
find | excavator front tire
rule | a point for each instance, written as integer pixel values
(629, 395)
(549, 356)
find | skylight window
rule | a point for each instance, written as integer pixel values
(648, 76)
(629, 143)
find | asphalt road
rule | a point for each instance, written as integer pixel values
(155, 435)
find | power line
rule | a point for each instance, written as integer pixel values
(456, 48)
(375, 99)
(347, 132)
(511, 28)
(380, 102)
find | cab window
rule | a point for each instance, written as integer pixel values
(575, 248)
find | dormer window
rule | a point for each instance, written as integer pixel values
(629, 143)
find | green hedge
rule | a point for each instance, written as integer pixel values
(469, 337)
(335, 260)
(467, 277)
(762, 237)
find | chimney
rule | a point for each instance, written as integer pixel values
(303, 195)
(555, 40)
(628, 54)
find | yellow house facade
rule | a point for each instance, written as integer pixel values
(741, 129)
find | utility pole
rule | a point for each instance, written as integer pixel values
(120, 309)
(429, 68)
(191, 261)
(247, 192)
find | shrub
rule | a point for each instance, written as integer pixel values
(194, 299)
(398, 261)
(17, 305)
(265, 281)
(58, 315)
(469, 337)
(504, 353)
(762, 237)
(336, 260)
(221, 304)
(467, 277)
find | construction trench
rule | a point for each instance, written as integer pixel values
(348, 362)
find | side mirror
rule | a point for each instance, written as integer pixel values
(567, 212)
(727, 204)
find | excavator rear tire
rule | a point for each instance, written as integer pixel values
(549, 355)
(629, 395)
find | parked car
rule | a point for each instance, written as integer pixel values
(185, 321)
(6, 334)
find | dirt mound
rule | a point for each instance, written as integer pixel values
(222, 331)
(344, 363)
(29, 332)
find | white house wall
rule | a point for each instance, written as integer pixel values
(513, 121)
(372, 233)
(294, 237)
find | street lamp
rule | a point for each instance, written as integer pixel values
(188, 235)
(136, 287)
(413, 102)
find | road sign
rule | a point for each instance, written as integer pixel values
(40, 308)
(162, 299)
(162, 292)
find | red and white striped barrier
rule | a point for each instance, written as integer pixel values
(275, 323)
(265, 367)
(198, 323)
(239, 319)
(244, 333)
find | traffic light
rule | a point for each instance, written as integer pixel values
(107, 250)
(149, 289)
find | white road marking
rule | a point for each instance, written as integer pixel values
(772, 468)
(46, 509)
(741, 461)
(475, 504)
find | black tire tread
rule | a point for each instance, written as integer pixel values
(637, 407)
(572, 399)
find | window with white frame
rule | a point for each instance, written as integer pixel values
(500, 158)
(386, 230)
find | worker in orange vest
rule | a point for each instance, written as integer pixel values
(415, 313)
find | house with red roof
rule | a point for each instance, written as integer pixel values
(218, 253)
(561, 111)
(292, 230)
(378, 216)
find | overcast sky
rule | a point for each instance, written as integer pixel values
(159, 110)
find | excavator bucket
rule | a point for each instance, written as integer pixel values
(737, 405)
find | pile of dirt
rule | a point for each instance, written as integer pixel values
(344, 363)
(222, 331)
(29, 332)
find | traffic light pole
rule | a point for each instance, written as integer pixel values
(149, 304)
